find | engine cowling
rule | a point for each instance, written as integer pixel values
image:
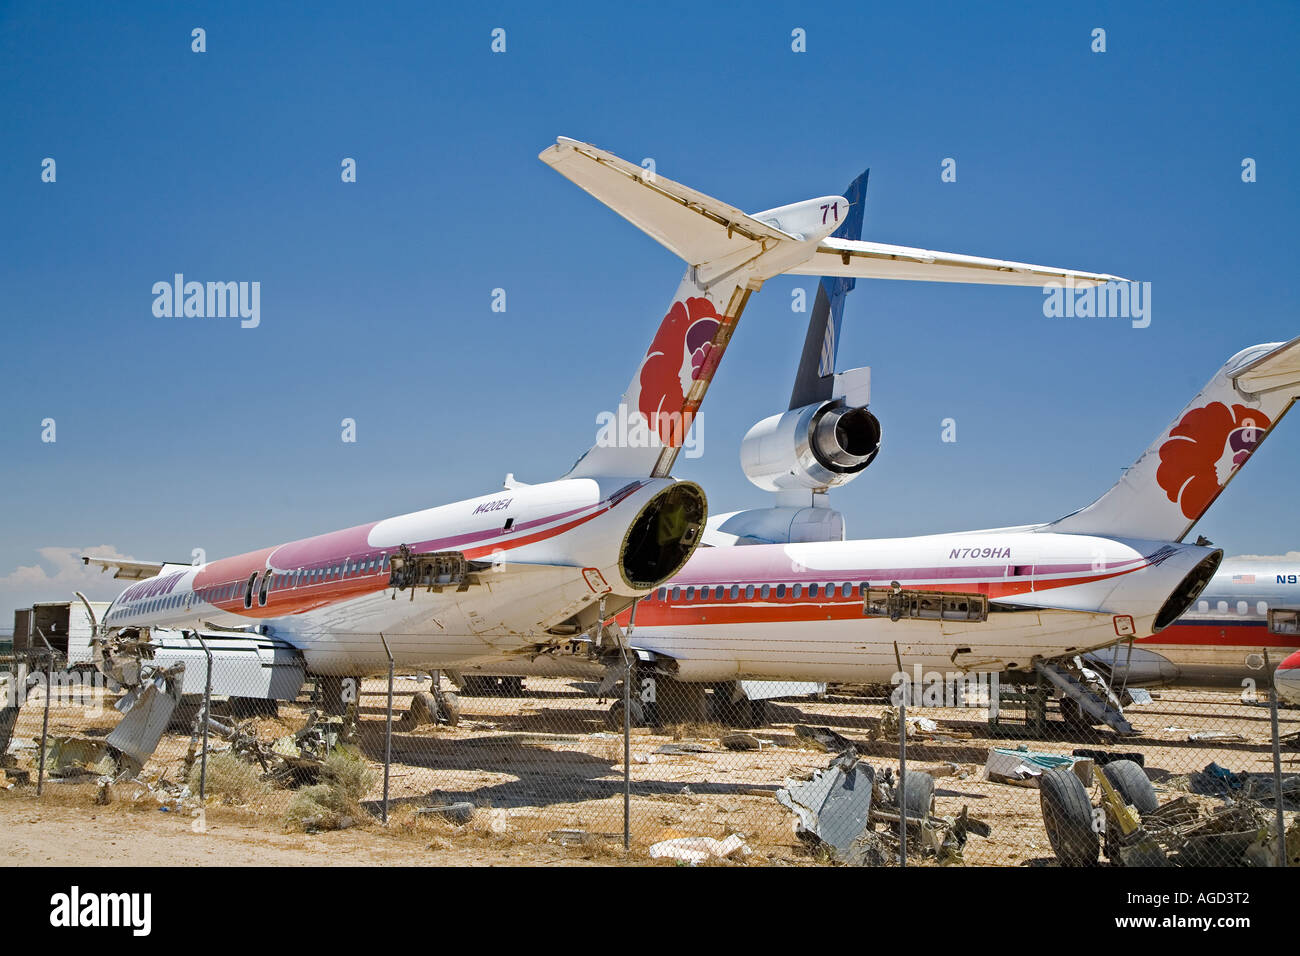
(816, 447)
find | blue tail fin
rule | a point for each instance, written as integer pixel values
(815, 377)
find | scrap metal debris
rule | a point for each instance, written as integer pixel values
(695, 850)
(823, 738)
(834, 806)
(1022, 767)
(146, 710)
(838, 808)
(292, 760)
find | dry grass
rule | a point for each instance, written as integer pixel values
(229, 779)
(335, 802)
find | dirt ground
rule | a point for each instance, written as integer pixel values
(545, 774)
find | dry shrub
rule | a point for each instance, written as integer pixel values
(335, 802)
(230, 779)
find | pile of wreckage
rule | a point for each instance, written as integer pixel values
(838, 809)
(151, 706)
(1220, 819)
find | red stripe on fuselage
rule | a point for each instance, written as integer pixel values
(1211, 633)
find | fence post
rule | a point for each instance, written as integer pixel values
(902, 758)
(207, 716)
(45, 718)
(1277, 762)
(628, 667)
(388, 724)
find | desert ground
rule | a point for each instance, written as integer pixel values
(544, 774)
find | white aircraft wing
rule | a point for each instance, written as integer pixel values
(130, 570)
(878, 260)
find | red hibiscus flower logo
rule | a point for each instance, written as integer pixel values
(1203, 451)
(678, 356)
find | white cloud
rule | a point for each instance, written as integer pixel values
(55, 577)
(1290, 557)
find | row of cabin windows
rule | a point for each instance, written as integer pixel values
(148, 607)
(261, 586)
(1243, 607)
(764, 592)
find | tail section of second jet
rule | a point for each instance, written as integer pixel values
(1167, 490)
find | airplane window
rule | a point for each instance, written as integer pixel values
(862, 589)
(1223, 607)
(663, 593)
(780, 590)
(812, 590)
(248, 590)
(719, 593)
(846, 589)
(261, 593)
(766, 592)
(677, 593)
(1261, 607)
(1242, 607)
(706, 593)
(735, 592)
(690, 594)
(798, 591)
(749, 592)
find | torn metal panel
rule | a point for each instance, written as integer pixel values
(146, 711)
(834, 806)
(824, 738)
(695, 850)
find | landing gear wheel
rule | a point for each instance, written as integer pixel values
(1067, 817)
(614, 716)
(1134, 786)
(450, 705)
(424, 709)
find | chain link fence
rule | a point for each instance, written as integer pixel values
(989, 771)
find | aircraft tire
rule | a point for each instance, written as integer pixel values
(1134, 786)
(1067, 817)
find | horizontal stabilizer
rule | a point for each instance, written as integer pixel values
(127, 570)
(698, 228)
(877, 260)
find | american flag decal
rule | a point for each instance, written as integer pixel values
(827, 364)
(1243, 579)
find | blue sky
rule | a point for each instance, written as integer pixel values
(174, 433)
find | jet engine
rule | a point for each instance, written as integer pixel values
(812, 448)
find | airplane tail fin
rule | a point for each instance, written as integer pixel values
(1167, 490)
(815, 377)
(729, 254)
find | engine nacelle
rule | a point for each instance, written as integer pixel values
(813, 448)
